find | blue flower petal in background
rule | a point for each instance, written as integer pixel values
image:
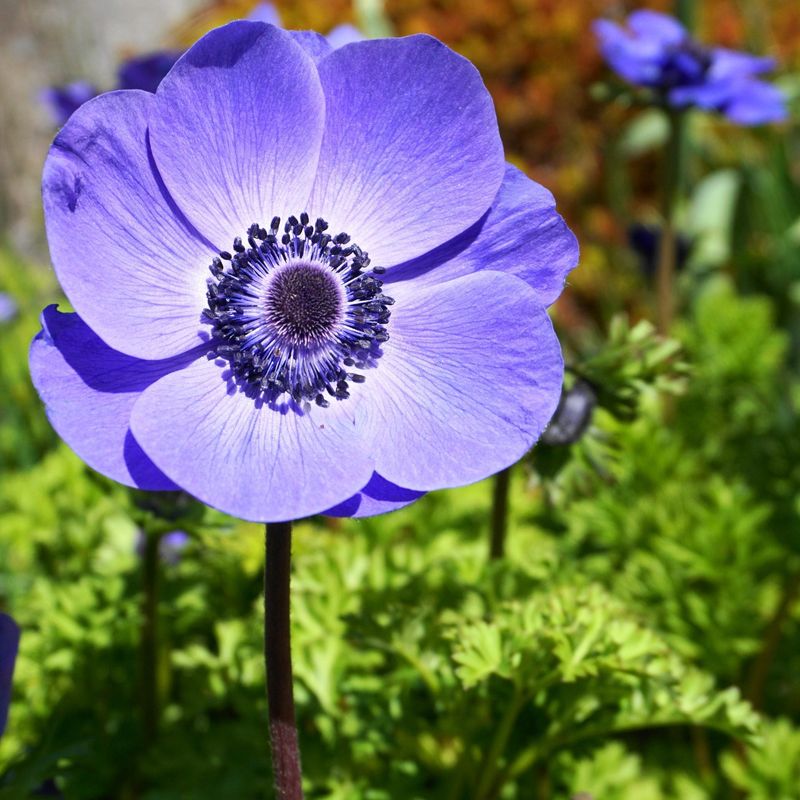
(172, 545)
(344, 34)
(143, 72)
(265, 12)
(573, 415)
(63, 101)
(9, 643)
(645, 241)
(8, 308)
(655, 51)
(146, 72)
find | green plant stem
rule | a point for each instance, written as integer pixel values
(488, 786)
(684, 11)
(372, 19)
(759, 672)
(536, 753)
(674, 169)
(149, 636)
(499, 521)
(278, 661)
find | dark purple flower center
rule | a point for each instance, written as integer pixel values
(304, 302)
(684, 64)
(298, 313)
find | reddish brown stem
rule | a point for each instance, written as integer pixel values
(278, 660)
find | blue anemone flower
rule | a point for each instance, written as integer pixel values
(9, 643)
(305, 279)
(655, 51)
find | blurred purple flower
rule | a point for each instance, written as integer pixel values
(63, 101)
(645, 241)
(265, 12)
(337, 37)
(657, 52)
(9, 644)
(344, 34)
(146, 72)
(297, 375)
(141, 72)
(170, 546)
(8, 308)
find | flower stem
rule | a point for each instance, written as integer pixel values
(491, 783)
(278, 661)
(499, 522)
(674, 166)
(149, 636)
(684, 11)
(759, 672)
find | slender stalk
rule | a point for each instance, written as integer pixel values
(759, 672)
(685, 12)
(674, 168)
(499, 522)
(490, 785)
(278, 662)
(149, 636)
(371, 18)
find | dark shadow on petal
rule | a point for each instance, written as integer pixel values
(172, 205)
(347, 508)
(99, 366)
(225, 46)
(379, 488)
(441, 255)
(145, 474)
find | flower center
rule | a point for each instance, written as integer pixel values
(304, 302)
(685, 64)
(298, 313)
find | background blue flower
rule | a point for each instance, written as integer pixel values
(63, 101)
(9, 642)
(8, 308)
(655, 51)
(146, 71)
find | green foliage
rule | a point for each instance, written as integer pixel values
(24, 431)
(422, 671)
(633, 360)
(770, 771)
(640, 642)
(615, 773)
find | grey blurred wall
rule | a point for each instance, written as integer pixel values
(44, 42)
